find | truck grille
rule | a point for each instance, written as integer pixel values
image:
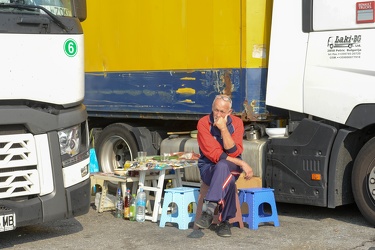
(18, 166)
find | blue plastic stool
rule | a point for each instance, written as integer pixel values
(255, 199)
(182, 196)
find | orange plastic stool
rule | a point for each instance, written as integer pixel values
(203, 191)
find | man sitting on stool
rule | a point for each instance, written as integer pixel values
(220, 137)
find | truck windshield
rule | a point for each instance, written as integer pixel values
(56, 7)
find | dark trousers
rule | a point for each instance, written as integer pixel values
(222, 180)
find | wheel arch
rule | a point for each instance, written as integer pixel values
(348, 143)
(362, 116)
(344, 151)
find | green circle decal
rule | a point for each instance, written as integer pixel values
(70, 47)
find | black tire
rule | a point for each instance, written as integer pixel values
(363, 181)
(115, 146)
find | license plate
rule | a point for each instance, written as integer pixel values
(7, 222)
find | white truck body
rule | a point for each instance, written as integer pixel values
(307, 75)
(321, 72)
(44, 153)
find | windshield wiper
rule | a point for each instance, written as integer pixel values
(31, 7)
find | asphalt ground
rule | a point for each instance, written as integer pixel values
(301, 227)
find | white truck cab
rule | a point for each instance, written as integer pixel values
(44, 155)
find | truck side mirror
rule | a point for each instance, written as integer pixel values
(79, 9)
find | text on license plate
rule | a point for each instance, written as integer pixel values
(7, 222)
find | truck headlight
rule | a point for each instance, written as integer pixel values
(74, 144)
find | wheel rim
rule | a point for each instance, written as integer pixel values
(371, 183)
(115, 152)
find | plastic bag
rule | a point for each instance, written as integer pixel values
(94, 166)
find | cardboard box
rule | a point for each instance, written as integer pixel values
(255, 182)
(252, 183)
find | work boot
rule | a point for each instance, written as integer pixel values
(205, 220)
(224, 229)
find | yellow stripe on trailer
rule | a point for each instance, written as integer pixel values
(256, 29)
(162, 35)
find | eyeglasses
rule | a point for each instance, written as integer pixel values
(224, 97)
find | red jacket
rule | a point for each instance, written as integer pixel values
(211, 144)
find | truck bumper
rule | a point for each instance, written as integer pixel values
(78, 198)
(39, 209)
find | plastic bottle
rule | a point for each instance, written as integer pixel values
(119, 204)
(132, 209)
(141, 206)
(127, 205)
(169, 184)
(190, 208)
